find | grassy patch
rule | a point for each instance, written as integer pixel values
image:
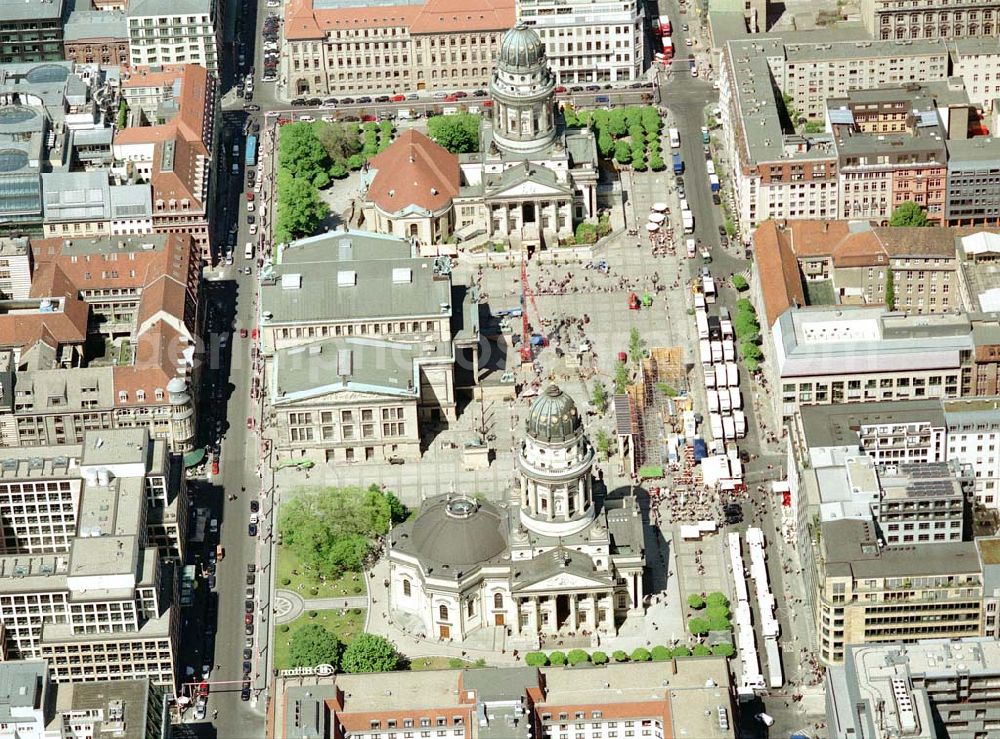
(345, 625)
(421, 664)
(307, 585)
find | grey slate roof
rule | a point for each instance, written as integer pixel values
(358, 364)
(131, 201)
(76, 196)
(18, 10)
(95, 24)
(364, 279)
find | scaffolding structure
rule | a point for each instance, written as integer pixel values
(657, 402)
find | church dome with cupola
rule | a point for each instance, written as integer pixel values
(521, 49)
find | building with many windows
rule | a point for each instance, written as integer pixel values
(183, 32)
(354, 370)
(973, 196)
(923, 690)
(867, 591)
(31, 32)
(558, 563)
(393, 48)
(38, 708)
(97, 37)
(890, 147)
(588, 41)
(785, 176)
(925, 19)
(529, 182)
(682, 698)
(82, 586)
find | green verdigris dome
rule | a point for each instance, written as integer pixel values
(553, 417)
(521, 48)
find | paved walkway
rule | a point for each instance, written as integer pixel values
(289, 605)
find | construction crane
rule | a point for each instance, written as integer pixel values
(527, 356)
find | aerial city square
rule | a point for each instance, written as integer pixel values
(499, 369)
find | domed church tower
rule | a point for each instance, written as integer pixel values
(522, 88)
(554, 467)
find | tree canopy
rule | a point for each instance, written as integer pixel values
(331, 529)
(313, 645)
(458, 133)
(370, 653)
(908, 213)
(300, 208)
(300, 152)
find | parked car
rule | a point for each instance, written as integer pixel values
(299, 102)
(252, 529)
(560, 89)
(251, 108)
(397, 98)
(716, 200)
(248, 629)
(248, 653)
(254, 506)
(251, 578)
(460, 94)
(248, 606)
(248, 619)
(245, 694)
(347, 101)
(364, 99)
(722, 231)
(382, 99)
(247, 667)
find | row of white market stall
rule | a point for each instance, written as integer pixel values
(751, 677)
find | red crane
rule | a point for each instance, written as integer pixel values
(527, 295)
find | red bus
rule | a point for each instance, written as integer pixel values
(668, 48)
(665, 29)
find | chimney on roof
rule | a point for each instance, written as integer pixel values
(826, 226)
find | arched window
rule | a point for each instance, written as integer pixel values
(443, 612)
(406, 588)
(498, 600)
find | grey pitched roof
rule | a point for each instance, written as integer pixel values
(18, 10)
(138, 8)
(72, 196)
(357, 364)
(351, 276)
(131, 201)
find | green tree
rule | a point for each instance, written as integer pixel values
(752, 365)
(616, 122)
(605, 143)
(651, 119)
(635, 346)
(586, 233)
(599, 397)
(656, 162)
(557, 658)
(718, 611)
(749, 350)
(536, 659)
(745, 324)
(743, 305)
(723, 650)
(700, 650)
(569, 117)
(640, 654)
(340, 141)
(621, 378)
(639, 160)
(719, 624)
(908, 213)
(890, 289)
(313, 645)
(338, 171)
(355, 162)
(603, 443)
(716, 599)
(300, 151)
(321, 180)
(370, 653)
(695, 601)
(122, 115)
(660, 653)
(623, 152)
(397, 511)
(457, 133)
(740, 282)
(300, 208)
(577, 657)
(619, 655)
(331, 529)
(698, 626)
(599, 658)
(681, 651)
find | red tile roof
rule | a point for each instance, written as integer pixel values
(414, 171)
(778, 271)
(303, 22)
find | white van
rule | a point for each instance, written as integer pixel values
(248, 250)
(691, 248)
(449, 110)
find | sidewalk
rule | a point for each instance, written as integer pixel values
(289, 605)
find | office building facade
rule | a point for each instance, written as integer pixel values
(925, 19)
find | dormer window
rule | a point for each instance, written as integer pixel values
(123, 396)
(140, 395)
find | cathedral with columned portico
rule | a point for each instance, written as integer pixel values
(550, 562)
(529, 184)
